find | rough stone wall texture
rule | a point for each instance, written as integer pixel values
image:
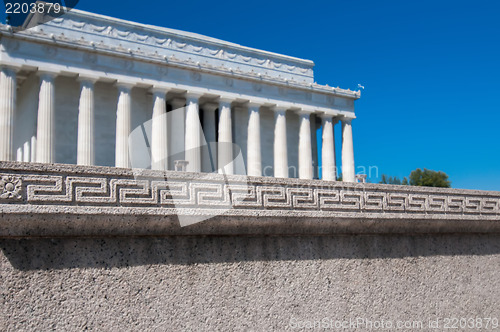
(244, 283)
(101, 248)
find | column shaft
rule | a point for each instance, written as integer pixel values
(192, 139)
(45, 125)
(122, 158)
(280, 145)
(33, 149)
(19, 154)
(225, 146)
(7, 109)
(348, 171)
(159, 131)
(305, 148)
(328, 169)
(254, 159)
(27, 151)
(85, 149)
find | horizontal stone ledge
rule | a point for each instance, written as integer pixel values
(54, 200)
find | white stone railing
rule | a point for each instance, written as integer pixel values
(58, 200)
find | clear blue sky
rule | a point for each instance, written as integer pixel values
(431, 70)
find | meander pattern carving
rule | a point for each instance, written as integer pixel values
(81, 190)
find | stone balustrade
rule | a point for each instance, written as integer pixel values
(71, 200)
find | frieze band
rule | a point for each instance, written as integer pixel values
(214, 191)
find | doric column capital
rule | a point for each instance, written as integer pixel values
(157, 90)
(333, 118)
(124, 85)
(326, 116)
(87, 79)
(10, 68)
(346, 119)
(254, 105)
(278, 109)
(224, 101)
(193, 97)
(47, 75)
(304, 112)
(210, 107)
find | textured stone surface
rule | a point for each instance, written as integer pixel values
(244, 283)
(97, 248)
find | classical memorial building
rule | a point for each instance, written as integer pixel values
(102, 229)
(74, 89)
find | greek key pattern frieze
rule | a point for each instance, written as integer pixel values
(106, 190)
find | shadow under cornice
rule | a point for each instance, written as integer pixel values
(122, 252)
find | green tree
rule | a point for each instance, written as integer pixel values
(393, 180)
(429, 178)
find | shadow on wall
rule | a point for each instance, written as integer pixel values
(64, 253)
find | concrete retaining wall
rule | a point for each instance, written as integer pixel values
(265, 268)
(245, 283)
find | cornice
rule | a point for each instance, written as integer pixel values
(149, 29)
(162, 39)
(170, 44)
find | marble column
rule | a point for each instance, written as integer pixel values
(45, 125)
(27, 151)
(254, 158)
(305, 148)
(225, 146)
(348, 171)
(280, 144)
(33, 149)
(122, 154)
(328, 169)
(192, 141)
(19, 154)
(8, 88)
(159, 130)
(85, 147)
(209, 155)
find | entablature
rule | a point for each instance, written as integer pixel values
(32, 55)
(134, 43)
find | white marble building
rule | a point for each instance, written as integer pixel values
(72, 90)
